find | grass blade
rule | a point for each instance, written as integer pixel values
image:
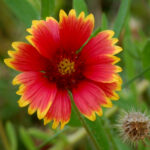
(11, 135)
(23, 10)
(26, 139)
(47, 8)
(121, 17)
(80, 5)
(104, 22)
(145, 58)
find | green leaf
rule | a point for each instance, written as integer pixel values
(26, 139)
(104, 22)
(121, 145)
(146, 58)
(79, 6)
(130, 68)
(36, 4)
(11, 135)
(121, 17)
(47, 8)
(23, 10)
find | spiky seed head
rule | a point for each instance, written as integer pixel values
(134, 126)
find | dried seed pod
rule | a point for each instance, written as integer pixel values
(134, 126)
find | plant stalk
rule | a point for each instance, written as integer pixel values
(83, 122)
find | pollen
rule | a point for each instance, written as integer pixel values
(66, 67)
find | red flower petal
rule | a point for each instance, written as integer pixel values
(25, 58)
(45, 36)
(102, 44)
(110, 88)
(100, 59)
(88, 98)
(60, 110)
(102, 72)
(36, 91)
(74, 31)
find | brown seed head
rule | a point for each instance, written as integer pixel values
(134, 126)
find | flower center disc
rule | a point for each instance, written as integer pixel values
(66, 67)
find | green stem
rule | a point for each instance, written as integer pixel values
(92, 35)
(83, 122)
(136, 77)
(51, 138)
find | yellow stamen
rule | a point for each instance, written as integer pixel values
(66, 66)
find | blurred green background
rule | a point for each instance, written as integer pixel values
(18, 130)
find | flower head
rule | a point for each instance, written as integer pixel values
(134, 126)
(50, 66)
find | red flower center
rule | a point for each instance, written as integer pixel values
(65, 70)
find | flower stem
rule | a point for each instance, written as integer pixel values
(136, 77)
(84, 123)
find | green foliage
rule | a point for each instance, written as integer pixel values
(38, 134)
(80, 5)
(23, 10)
(36, 4)
(47, 8)
(26, 139)
(11, 133)
(135, 63)
(104, 22)
(74, 120)
(104, 26)
(146, 58)
(98, 131)
(95, 130)
(121, 17)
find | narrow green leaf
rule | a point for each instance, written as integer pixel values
(80, 5)
(23, 10)
(11, 135)
(121, 17)
(47, 8)
(96, 31)
(26, 139)
(130, 68)
(146, 58)
(104, 22)
(129, 61)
